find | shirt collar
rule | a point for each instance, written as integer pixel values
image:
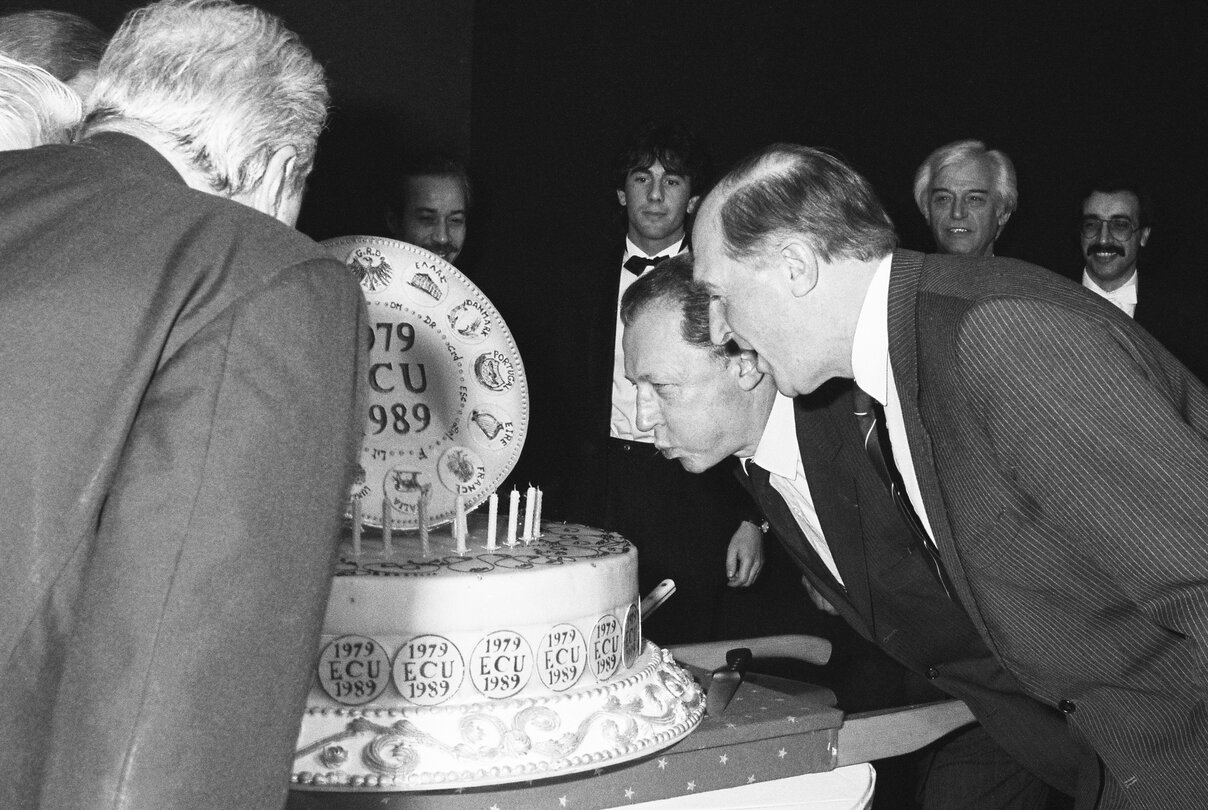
(633, 250)
(1126, 293)
(777, 451)
(870, 349)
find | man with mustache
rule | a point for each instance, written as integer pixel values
(805, 460)
(966, 193)
(1116, 224)
(431, 205)
(1050, 456)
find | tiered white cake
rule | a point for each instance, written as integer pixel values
(441, 670)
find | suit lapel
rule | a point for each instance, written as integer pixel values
(785, 524)
(905, 276)
(834, 493)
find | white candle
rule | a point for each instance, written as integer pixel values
(513, 508)
(423, 520)
(356, 526)
(530, 512)
(492, 520)
(537, 520)
(387, 519)
(459, 523)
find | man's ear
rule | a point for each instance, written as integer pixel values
(1144, 236)
(692, 203)
(1003, 216)
(274, 194)
(621, 197)
(745, 369)
(802, 266)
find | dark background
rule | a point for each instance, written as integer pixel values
(537, 95)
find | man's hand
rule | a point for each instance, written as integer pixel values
(744, 557)
(817, 598)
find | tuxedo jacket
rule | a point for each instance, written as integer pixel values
(889, 593)
(179, 416)
(1063, 465)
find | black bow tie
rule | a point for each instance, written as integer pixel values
(639, 264)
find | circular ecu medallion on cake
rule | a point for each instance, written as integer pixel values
(446, 670)
(448, 407)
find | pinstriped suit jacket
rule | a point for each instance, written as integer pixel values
(1063, 463)
(890, 595)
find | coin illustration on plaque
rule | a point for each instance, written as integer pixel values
(370, 268)
(491, 427)
(428, 279)
(494, 370)
(469, 320)
(403, 488)
(461, 470)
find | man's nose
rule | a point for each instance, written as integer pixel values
(442, 233)
(719, 329)
(655, 191)
(958, 208)
(648, 414)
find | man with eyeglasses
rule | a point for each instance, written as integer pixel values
(1116, 224)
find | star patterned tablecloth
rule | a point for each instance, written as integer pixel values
(767, 733)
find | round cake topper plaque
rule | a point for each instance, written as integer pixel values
(448, 408)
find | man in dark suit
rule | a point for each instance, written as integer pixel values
(598, 466)
(810, 475)
(180, 417)
(1049, 454)
(1116, 223)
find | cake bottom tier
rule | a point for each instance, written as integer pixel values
(382, 748)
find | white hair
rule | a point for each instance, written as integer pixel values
(35, 107)
(1004, 171)
(228, 84)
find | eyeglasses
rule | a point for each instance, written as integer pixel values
(1119, 227)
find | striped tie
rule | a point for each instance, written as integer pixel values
(871, 419)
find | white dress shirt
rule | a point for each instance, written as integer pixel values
(624, 421)
(1124, 296)
(874, 374)
(779, 454)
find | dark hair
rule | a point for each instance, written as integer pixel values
(670, 284)
(437, 164)
(60, 43)
(673, 145)
(788, 189)
(1116, 184)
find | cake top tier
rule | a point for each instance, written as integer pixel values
(561, 544)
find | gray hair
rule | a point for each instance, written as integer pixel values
(229, 84)
(35, 107)
(1004, 171)
(785, 190)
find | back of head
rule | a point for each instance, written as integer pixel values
(226, 85)
(676, 147)
(1005, 185)
(789, 190)
(64, 45)
(35, 107)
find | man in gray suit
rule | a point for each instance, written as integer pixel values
(1050, 455)
(179, 417)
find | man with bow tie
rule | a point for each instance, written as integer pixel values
(601, 467)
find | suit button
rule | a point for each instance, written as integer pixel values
(1066, 706)
(932, 673)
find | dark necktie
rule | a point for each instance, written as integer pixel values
(871, 419)
(639, 264)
